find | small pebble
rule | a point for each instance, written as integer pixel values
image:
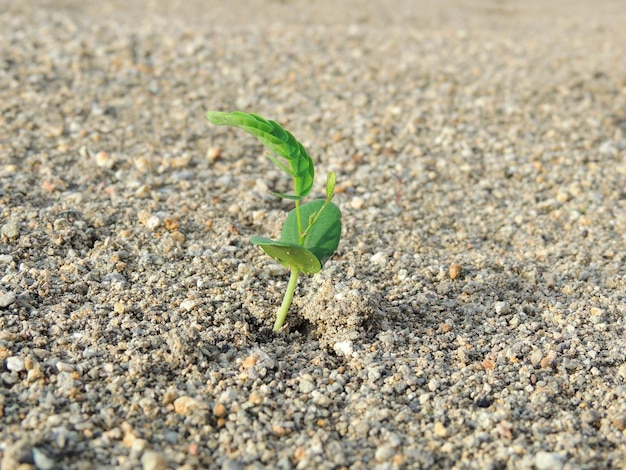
(357, 203)
(15, 364)
(306, 386)
(10, 230)
(455, 270)
(42, 460)
(344, 348)
(472, 315)
(213, 154)
(186, 405)
(152, 460)
(379, 259)
(7, 299)
(384, 452)
(620, 422)
(549, 461)
(501, 308)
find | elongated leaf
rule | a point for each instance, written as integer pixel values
(278, 141)
(291, 255)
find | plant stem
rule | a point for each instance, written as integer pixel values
(299, 220)
(284, 308)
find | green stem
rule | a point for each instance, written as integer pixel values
(284, 308)
(299, 220)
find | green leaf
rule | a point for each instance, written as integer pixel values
(279, 142)
(319, 245)
(323, 239)
(331, 180)
(285, 196)
(288, 254)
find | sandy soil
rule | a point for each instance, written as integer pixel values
(473, 315)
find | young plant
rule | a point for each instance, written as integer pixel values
(311, 231)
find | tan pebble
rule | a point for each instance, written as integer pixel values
(255, 398)
(221, 422)
(548, 361)
(250, 361)
(104, 159)
(219, 410)
(489, 364)
(357, 203)
(281, 429)
(83, 151)
(55, 131)
(455, 270)
(181, 162)
(213, 154)
(178, 237)
(129, 438)
(4, 352)
(35, 373)
(142, 164)
(185, 405)
(440, 430)
(169, 397)
(299, 454)
(619, 422)
(143, 216)
(29, 363)
(143, 191)
(171, 224)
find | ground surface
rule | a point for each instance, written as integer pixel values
(135, 314)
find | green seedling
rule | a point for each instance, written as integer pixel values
(311, 231)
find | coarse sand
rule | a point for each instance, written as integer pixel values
(473, 315)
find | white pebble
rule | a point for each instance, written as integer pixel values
(42, 461)
(357, 203)
(548, 461)
(344, 348)
(15, 364)
(379, 258)
(501, 308)
(277, 270)
(188, 305)
(7, 299)
(384, 452)
(153, 222)
(306, 386)
(152, 460)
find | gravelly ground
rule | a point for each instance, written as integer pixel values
(473, 316)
